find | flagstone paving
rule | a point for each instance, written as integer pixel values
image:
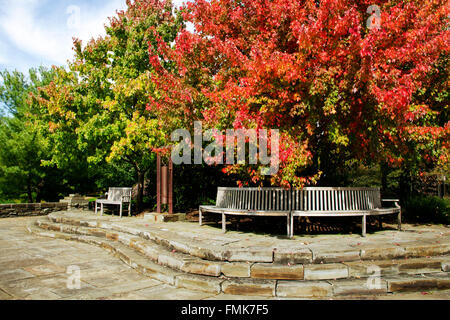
(36, 268)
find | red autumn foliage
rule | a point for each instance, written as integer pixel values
(315, 71)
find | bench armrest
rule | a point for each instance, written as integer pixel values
(396, 201)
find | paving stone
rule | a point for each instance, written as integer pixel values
(382, 253)
(171, 261)
(88, 294)
(417, 266)
(157, 272)
(427, 250)
(368, 286)
(5, 296)
(14, 274)
(423, 295)
(208, 253)
(11, 258)
(133, 286)
(249, 254)
(418, 284)
(199, 283)
(202, 267)
(25, 287)
(45, 269)
(437, 275)
(165, 292)
(21, 263)
(325, 271)
(303, 289)
(112, 236)
(249, 287)
(102, 280)
(336, 256)
(180, 245)
(43, 295)
(152, 252)
(276, 271)
(292, 255)
(224, 296)
(359, 269)
(236, 269)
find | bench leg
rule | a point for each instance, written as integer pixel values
(364, 225)
(101, 209)
(120, 210)
(289, 226)
(380, 223)
(224, 223)
(129, 209)
(399, 220)
(200, 218)
(95, 207)
(292, 226)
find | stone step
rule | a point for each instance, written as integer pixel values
(264, 271)
(436, 281)
(294, 255)
(154, 252)
(137, 261)
(360, 288)
(375, 285)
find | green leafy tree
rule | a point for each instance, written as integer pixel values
(97, 109)
(22, 147)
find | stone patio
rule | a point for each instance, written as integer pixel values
(33, 267)
(183, 236)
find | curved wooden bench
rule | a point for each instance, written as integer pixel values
(307, 202)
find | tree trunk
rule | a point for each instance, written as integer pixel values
(39, 188)
(140, 193)
(29, 192)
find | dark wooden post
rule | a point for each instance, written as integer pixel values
(164, 184)
(170, 179)
(158, 183)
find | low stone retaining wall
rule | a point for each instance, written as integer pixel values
(30, 209)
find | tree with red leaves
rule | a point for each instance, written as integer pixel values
(340, 79)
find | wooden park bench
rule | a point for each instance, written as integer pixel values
(116, 196)
(307, 202)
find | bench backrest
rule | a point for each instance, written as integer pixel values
(119, 194)
(306, 199)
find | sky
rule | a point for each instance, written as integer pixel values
(40, 32)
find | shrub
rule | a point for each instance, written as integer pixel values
(427, 209)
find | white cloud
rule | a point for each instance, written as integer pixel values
(49, 39)
(3, 54)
